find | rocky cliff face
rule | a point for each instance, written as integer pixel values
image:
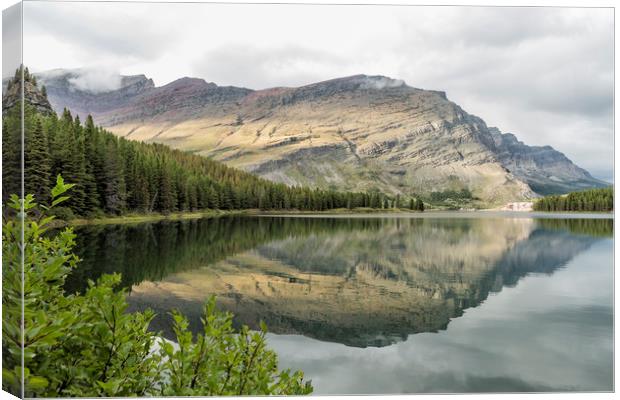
(12, 94)
(545, 169)
(355, 133)
(63, 92)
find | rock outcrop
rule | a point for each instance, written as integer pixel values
(545, 169)
(354, 133)
(63, 93)
(12, 95)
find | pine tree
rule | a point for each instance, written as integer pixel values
(213, 199)
(11, 153)
(419, 205)
(166, 197)
(76, 170)
(91, 158)
(37, 164)
(114, 192)
(226, 201)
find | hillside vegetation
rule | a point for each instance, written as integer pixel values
(114, 176)
(587, 200)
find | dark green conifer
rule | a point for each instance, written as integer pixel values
(37, 163)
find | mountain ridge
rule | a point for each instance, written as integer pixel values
(353, 133)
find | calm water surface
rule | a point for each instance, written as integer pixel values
(387, 304)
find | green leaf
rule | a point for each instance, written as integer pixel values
(60, 187)
(59, 200)
(37, 382)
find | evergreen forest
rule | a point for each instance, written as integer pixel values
(587, 200)
(115, 176)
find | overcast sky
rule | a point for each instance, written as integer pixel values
(544, 74)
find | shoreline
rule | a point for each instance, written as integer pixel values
(143, 218)
(338, 213)
(450, 214)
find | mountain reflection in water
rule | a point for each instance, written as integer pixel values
(360, 282)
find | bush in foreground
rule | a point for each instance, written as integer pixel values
(88, 345)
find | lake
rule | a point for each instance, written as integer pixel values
(411, 303)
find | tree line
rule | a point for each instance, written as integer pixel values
(114, 176)
(587, 200)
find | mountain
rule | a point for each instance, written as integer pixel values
(355, 133)
(115, 176)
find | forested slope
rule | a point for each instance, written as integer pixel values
(115, 176)
(586, 200)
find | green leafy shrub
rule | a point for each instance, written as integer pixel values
(88, 345)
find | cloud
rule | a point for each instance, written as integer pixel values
(490, 27)
(260, 67)
(101, 29)
(93, 80)
(96, 80)
(382, 83)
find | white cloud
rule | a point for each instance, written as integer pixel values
(96, 80)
